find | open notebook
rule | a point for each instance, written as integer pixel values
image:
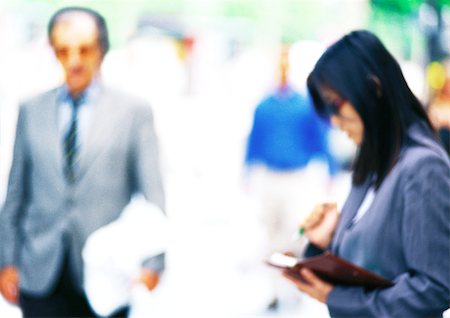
(330, 268)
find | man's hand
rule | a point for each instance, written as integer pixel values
(149, 278)
(312, 285)
(9, 284)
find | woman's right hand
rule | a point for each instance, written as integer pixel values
(321, 223)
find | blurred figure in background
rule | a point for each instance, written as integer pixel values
(439, 105)
(81, 151)
(285, 138)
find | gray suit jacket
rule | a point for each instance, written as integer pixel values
(404, 236)
(43, 213)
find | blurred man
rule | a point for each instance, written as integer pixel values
(81, 151)
(286, 136)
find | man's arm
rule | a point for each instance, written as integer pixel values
(147, 170)
(9, 283)
(149, 182)
(10, 216)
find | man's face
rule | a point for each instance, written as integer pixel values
(75, 41)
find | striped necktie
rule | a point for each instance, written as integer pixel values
(70, 142)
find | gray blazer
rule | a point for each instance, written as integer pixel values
(43, 213)
(404, 236)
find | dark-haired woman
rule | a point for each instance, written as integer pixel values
(396, 220)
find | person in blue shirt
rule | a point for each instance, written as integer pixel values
(287, 133)
(286, 136)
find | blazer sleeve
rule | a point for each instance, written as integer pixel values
(147, 172)
(156, 263)
(423, 290)
(16, 197)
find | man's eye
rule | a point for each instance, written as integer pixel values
(62, 52)
(84, 50)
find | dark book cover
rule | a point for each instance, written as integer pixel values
(330, 268)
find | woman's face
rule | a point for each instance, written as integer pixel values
(344, 116)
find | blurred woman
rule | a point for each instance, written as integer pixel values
(396, 220)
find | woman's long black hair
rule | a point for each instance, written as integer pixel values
(360, 69)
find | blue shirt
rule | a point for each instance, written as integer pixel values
(287, 133)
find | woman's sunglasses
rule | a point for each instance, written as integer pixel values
(332, 108)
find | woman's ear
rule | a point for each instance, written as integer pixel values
(377, 84)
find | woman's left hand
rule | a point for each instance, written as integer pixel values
(312, 285)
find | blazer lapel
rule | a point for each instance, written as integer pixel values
(102, 129)
(52, 134)
(352, 205)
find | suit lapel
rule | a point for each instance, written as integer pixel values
(102, 129)
(352, 205)
(51, 132)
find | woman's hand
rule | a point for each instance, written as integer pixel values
(320, 225)
(312, 285)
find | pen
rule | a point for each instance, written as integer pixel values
(298, 234)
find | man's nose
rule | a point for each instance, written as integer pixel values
(74, 57)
